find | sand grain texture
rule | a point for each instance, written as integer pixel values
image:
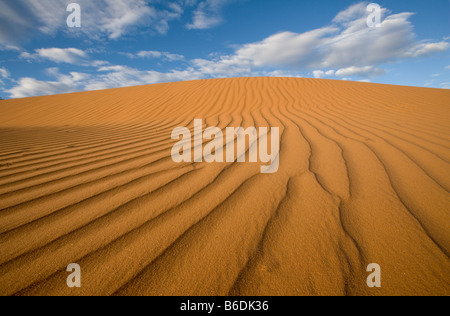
(364, 178)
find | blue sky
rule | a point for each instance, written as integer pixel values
(133, 42)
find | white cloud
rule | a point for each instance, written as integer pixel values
(173, 57)
(347, 44)
(4, 73)
(279, 73)
(367, 71)
(221, 68)
(58, 55)
(149, 54)
(32, 87)
(107, 77)
(157, 54)
(427, 49)
(318, 74)
(447, 67)
(13, 23)
(122, 76)
(63, 84)
(344, 49)
(4, 47)
(72, 56)
(117, 17)
(19, 19)
(351, 13)
(321, 73)
(283, 49)
(445, 85)
(208, 14)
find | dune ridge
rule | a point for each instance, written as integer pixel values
(364, 178)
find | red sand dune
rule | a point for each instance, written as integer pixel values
(364, 178)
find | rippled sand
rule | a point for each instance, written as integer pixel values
(364, 178)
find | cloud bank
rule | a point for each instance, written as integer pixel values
(345, 48)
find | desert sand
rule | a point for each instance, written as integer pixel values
(364, 178)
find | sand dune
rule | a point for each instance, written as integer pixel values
(364, 178)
